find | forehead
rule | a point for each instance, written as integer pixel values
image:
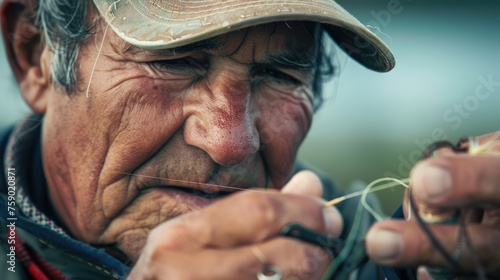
(261, 40)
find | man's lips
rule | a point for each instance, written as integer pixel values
(195, 188)
(201, 190)
(204, 193)
(195, 197)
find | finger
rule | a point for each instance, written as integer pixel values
(304, 183)
(295, 260)
(444, 151)
(422, 274)
(166, 261)
(491, 217)
(488, 144)
(250, 217)
(457, 180)
(308, 183)
(399, 243)
(439, 152)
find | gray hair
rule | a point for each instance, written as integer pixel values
(65, 27)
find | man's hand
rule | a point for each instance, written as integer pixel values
(469, 183)
(235, 238)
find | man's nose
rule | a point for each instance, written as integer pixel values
(221, 119)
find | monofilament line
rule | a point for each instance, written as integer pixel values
(351, 238)
(378, 29)
(96, 59)
(369, 189)
(188, 182)
(373, 189)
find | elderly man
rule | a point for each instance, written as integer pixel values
(149, 116)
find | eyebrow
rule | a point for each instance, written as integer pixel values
(203, 45)
(298, 59)
(290, 58)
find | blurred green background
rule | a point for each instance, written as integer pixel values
(375, 125)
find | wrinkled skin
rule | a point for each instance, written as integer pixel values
(198, 116)
(217, 244)
(231, 111)
(473, 182)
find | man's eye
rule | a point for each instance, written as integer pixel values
(184, 65)
(275, 79)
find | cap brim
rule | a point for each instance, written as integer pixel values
(174, 23)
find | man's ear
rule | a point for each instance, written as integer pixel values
(23, 43)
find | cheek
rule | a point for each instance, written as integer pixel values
(283, 126)
(285, 117)
(95, 138)
(143, 114)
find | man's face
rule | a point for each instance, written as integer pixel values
(156, 128)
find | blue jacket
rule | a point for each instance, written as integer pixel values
(76, 260)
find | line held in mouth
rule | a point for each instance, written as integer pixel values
(206, 187)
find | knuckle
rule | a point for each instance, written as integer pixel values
(267, 206)
(167, 238)
(161, 257)
(319, 220)
(488, 252)
(420, 250)
(308, 261)
(315, 216)
(487, 183)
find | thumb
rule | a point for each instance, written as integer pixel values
(304, 183)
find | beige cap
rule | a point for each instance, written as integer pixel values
(157, 24)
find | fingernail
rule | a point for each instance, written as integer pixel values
(304, 183)
(333, 221)
(384, 246)
(435, 182)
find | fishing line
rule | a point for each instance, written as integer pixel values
(344, 254)
(371, 188)
(480, 271)
(381, 32)
(475, 149)
(97, 58)
(436, 244)
(362, 204)
(396, 182)
(353, 234)
(188, 182)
